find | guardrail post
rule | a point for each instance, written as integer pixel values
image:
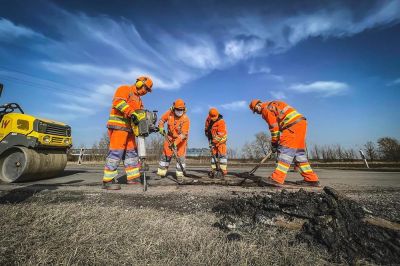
(364, 158)
(81, 153)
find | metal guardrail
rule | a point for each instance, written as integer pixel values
(83, 153)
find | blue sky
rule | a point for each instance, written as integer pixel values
(338, 62)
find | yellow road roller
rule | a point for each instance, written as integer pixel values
(31, 148)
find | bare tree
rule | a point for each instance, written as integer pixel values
(316, 152)
(103, 144)
(154, 146)
(232, 153)
(248, 151)
(389, 148)
(371, 151)
(259, 147)
(263, 143)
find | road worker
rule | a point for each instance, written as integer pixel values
(215, 131)
(288, 137)
(127, 99)
(178, 125)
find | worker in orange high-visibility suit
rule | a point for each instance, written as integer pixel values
(178, 125)
(122, 140)
(215, 131)
(288, 137)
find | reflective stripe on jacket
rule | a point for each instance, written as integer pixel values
(125, 102)
(178, 127)
(218, 130)
(279, 116)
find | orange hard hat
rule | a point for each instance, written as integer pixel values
(146, 81)
(179, 104)
(213, 113)
(253, 104)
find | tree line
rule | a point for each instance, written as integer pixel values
(384, 149)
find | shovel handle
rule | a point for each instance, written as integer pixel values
(176, 157)
(260, 163)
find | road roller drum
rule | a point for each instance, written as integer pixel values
(20, 164)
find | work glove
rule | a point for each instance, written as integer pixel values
(137, 117)
(274, 147)
(161, 130)
(210, 144)
(173, 146)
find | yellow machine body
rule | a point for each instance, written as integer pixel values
(36, 130)
(31, 148)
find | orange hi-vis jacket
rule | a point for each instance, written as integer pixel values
(279, 116)
(217, 132)
(178, 127)
(126, 100)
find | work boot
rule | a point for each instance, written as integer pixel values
(111, 185)
(135, 181)
(219, 175)
(307, 183)
(269, 182)
(162, 172)
(211, 174)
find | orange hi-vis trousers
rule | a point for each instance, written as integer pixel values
(292, 145)
(221, 155)
(122, 147)
(166, 158)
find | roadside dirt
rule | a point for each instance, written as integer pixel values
(344, 227)
(318, 227)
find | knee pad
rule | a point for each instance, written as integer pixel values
(112, 164)
(132, 162)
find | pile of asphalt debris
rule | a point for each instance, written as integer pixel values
(345, 228)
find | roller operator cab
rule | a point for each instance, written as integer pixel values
(31, 148)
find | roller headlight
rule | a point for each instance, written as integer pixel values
(66, 141)
(42, 127)
(46, 139)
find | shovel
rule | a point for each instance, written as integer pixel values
(218, 174)
(176, 156)
(250, 174)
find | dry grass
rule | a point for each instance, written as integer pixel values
(88, 232)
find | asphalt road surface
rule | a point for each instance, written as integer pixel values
(89, 178)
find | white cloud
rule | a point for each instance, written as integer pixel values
(234, 106)
(266, 71)
(280, 33)
(9, 31)
(202, 54)
(324, 88)
(278, 95)
(394, 82)
(103, 51)
(238, 49)
(75, 108)
(253, 69)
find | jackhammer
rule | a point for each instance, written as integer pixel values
(142, 129)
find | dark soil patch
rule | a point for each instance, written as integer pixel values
(337, 223)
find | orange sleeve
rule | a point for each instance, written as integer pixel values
(120, 101)
(272, 121)
(206, 126)
(185, 131)
(164, 118)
